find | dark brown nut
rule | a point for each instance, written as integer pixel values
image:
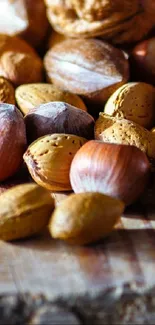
(91, 68)
(12, 140)
(19, 63)
(32, 95)
(7, 92)
(24, 18)
(84, 218)
(49, 159)
(58, 117)
(116, 20)
(120, 171)
(122, 131)
(134, 101)
(143, 61)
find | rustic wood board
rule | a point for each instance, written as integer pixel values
(42, 265)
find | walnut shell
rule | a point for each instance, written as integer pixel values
(49, 158)
(84, 218)
(19, 62)
(25, 18)
(58, 117)
(32, 95)
(91, 68)
(121, 22)
(121, 131)
(133, 101)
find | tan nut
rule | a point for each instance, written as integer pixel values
(133, 101)
(84, 218)
(25, 210)
(121, 131)
(49, 158)
(32, 95)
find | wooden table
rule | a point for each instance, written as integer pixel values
(112, 282)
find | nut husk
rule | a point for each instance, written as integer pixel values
(84, 218)
(32, 95)
(49, 158)
(25, 210)
(24, 18)
(133, 101)
(90, 68)
(122, 131)
(115, 20)
(58, 117)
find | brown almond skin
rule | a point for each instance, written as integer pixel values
(142, 61)
(25, 211)
(7, 92)
(19, 63)
(90, 68)
(85, 218)
(58, 117)
(24, 18)
(13, 140)
(49, 158)
(32, 95)
(134, 101)
(120, 171)
(122, 131)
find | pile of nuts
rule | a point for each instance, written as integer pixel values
(84, 119)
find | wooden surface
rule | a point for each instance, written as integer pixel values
(50, 267)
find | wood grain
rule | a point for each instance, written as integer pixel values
(42, 265)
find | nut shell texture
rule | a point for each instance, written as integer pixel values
(7, 92)
(58, 117)
(32, 95)
(121, 131)
(116, 20)
(116, 170)
(25, 210)
(12, 140)
(49, 158)
(89, 68)
(84, 218)
(134, 101)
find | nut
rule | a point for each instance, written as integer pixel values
(126, 21)
(84, 218)
(32, 95)
(7, 92)
(133, 101)
(55, 38)
(25, 211)
(19, 63)
(12, 140)
(142, 61)
(58, 117)
(49, 158)
(93, 69)
(117, 170)
(24, 18)
(121, 131)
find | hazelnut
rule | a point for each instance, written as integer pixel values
(122, 131)
(12, 140)
(7, 92)
(32, 95)
(120, 171)
(84, 218)
(90, 68)
(133, 101)
(58, 117)
(49, 158)
(24, 18)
